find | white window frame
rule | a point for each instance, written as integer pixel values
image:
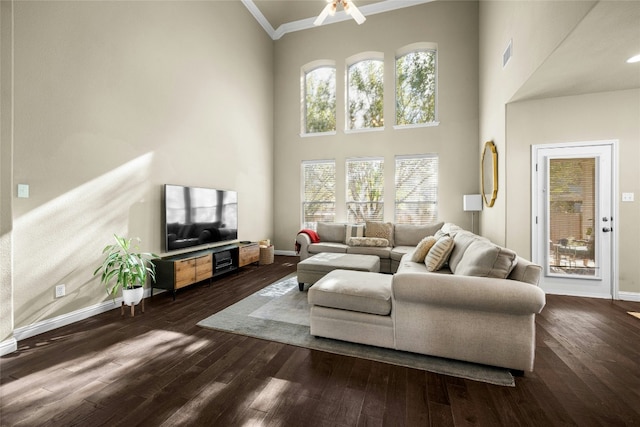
(352, 60)
(304, 70)
(303, 183)
(429, 188)
(348, 199)
(416, 47)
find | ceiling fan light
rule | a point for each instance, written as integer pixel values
(346, 7)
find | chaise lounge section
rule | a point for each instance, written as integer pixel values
(479, 308)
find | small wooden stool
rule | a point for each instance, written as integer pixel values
(133, 308)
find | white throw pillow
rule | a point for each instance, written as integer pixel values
(354, 230)
(439, 253)
(422, 249)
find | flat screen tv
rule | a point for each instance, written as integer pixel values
(195, 216)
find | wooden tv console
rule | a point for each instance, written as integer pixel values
(174, 272)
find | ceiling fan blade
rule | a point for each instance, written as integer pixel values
(356, 14)
(323, 15)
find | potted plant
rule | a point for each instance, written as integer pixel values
(127, 268)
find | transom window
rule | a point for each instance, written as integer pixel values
(365, 185)
(319, 88)
(416, 189)
(319, 192)
(365, 87)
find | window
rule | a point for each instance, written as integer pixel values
(416, 189)
(365, 94)
(319, 89)
(365, 184)
(416, 85)
(319, 192)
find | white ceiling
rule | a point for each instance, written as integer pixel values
(279, 17)
(591, 59)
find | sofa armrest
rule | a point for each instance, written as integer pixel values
(304, 241)
(467, 292)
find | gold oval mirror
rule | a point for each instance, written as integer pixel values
(489, 173)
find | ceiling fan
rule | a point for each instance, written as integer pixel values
(347, 5)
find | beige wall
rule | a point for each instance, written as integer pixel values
(595, 117)
(114, 99)
(454, 27)
(536, 29)
(6, 265)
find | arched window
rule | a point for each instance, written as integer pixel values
(416, 84)
(365, 78)
(319, 97)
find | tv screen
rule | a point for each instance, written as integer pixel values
(196, 216)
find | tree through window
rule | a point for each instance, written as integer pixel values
(319, 192)
(416, 189)
(320, 100)
(365, 184)
(365, 94)
(416, 85)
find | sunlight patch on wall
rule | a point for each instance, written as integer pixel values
(61, 241)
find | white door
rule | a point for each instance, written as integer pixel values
(574, 218)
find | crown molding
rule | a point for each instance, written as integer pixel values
(307, 23)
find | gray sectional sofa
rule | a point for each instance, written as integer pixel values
(333, 238)
(480, 307)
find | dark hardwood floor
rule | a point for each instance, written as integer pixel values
(159, 368)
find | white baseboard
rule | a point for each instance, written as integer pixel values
(629, 296)
(286, 253)
(68, 318)
(8, 346)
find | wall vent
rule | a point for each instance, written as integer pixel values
(506, 56)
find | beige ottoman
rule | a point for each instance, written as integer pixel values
(314, 268)
(353, 306)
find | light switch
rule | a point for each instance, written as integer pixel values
(23, 191)
(627, 197)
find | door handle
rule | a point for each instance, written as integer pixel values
(606, 229)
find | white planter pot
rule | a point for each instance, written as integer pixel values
(132, 296)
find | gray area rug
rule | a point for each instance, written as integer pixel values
(280, 312)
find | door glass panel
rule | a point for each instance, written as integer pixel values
(572, 215)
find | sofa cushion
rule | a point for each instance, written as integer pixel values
(368, 241)
(526, 271)
(486, 259)
(422, 249)
(410, 234)
(353, 230)
(439, 253)
(462, 239)
(316, 248)
(383, 230)
(353, 290)
(397, 252)
(381, 252)
(331, 232)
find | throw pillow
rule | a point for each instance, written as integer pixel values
(354, 230)
(485, 259)
(331, 232)
(383, 230)
(368, 241)
(422, 249)
(439, 253)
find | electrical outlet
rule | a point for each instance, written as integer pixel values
(60, 291)
(627, 197)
